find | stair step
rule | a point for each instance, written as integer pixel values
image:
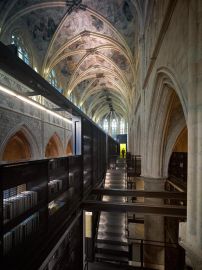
(105, 246)
(105, 238)
(120, 234)
(110, 229)
(113, 266)
(115, 181)
(109, 223)
(111, 216)
(106, 257)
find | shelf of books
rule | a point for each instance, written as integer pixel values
(76, 177)
(87, 130)
(36, 199)
(101, 154)
(57, 188)
(24, 200)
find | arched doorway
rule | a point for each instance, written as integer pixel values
(54, 146)
(17, 148)
(166, 121)
(175, 162)
(178, 160)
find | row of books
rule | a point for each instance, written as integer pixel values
(16, 205)
(54, 186)
(19, 234)
(54, 206)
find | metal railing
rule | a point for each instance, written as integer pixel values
(156, 254)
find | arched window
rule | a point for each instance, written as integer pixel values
(22, 51)
(72, 98)
(122, 126)
(105, 125)
(114, 126)
(52, 78)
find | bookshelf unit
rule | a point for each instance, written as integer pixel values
(76, 178)
(58, 186)
(67, 254)
(47, 193)
(87, 151)
(37, 197)
(23, 205)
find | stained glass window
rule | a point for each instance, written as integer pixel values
(22, 52)
(114, 126)
(105, 125)
(52, 78)
(122, 126)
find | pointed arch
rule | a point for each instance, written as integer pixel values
(161, 135)
(19, 144)
(69, 150)
(54, 147)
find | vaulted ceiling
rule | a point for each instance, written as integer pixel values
(90, 44)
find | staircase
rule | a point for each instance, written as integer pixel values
(111, 242)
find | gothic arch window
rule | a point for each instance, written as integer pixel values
(21, 49)
(71, 97)
(52, 78)
(122, 126)
(114, 126)
(106, 125)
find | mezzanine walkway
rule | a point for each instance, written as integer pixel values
(111, 242)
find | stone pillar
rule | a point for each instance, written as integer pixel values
(154, 225)
(190, 234)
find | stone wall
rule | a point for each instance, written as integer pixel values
(171, 47)
(38, 126)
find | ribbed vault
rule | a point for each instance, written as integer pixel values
(89, 44)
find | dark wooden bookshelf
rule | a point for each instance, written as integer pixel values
(78, 175)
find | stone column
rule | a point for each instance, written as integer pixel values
(190, 234)
(154, 225)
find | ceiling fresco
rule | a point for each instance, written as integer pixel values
(90, 46)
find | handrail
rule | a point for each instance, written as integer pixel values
(177, 183)
(140, 193)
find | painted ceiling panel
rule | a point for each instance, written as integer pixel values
(89, 43)
(121, 14)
